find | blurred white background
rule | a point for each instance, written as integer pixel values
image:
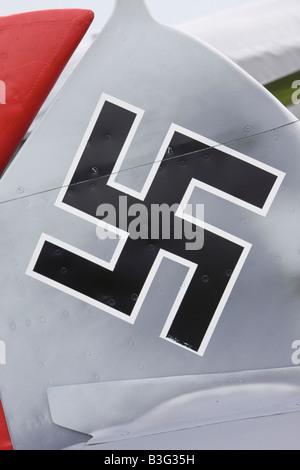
(263, 39)
(166, 11)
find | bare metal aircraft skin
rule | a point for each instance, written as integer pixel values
(118, 336)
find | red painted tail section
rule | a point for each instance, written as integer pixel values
(34, 49)
(5, 442)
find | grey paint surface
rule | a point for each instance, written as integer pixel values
(267, 433)
(127, 410)
(53, 339)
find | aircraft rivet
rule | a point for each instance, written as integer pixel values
(21, 190)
